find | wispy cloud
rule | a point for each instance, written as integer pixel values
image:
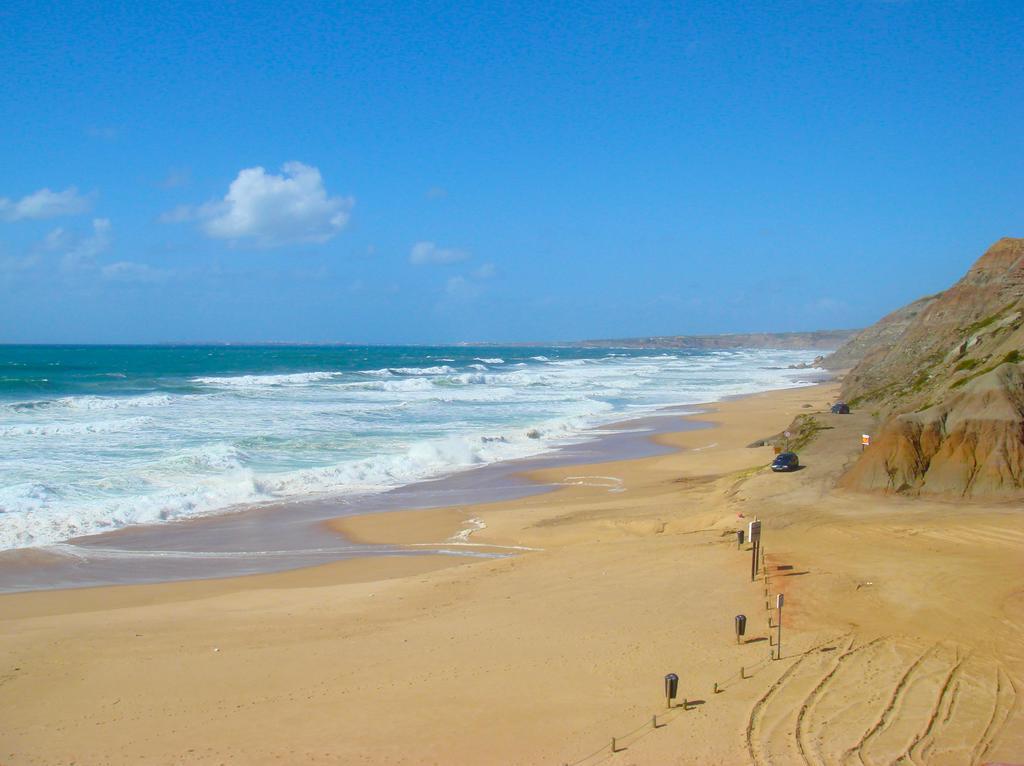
(78, 256)
(469, 287)
(180, 214)
(82, 252)
(17, 264)
(129, 272)
(45, 204)
(176, 177)
(462, 288)
(428, 252)
(485, 271)
(268, 210)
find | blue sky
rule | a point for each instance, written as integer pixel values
(423, 172)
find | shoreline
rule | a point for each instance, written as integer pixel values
(217, 435)
(544, 656)
(285, 536)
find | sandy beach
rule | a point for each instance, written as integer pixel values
(900, 643)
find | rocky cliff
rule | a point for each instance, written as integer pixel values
(880, 335)
(970, 444)
(943, 376)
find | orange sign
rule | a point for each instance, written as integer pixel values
(865, 440)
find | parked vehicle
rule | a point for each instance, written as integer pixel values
(840, 408)
(785, 461)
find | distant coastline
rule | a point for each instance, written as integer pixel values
(813, 340)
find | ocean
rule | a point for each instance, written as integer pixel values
(98, 438)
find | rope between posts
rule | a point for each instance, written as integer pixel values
(745, 672)
(663, 719)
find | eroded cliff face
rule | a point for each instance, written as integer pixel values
(971, 444)
(943, 375)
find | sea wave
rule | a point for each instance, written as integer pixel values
(391, 371)
(76, 429)
(216, 478)
(197, 444)
(249, 381)
(92, 403)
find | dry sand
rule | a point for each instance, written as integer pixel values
(901, 636)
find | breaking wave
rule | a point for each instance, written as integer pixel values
(126, 449)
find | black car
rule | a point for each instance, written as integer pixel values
(840, 408)
(786, 461)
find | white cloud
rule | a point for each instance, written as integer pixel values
(272, 210)
(485, 271)
(45, 204)
(130, 272)
(462, 288)
(428, 252)
(83, 252)
(58, 239)
(471, 286)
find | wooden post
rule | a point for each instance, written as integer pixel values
(779, 600)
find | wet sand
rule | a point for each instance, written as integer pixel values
(900, 635)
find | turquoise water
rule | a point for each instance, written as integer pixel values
(99, 438)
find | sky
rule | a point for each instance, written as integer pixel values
(417, 172)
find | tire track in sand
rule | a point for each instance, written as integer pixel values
(1000, 714)
(944, 698)
(815, 694)
(886, 718)
(757, 712)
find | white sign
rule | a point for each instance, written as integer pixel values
(779, 600)
(754, 531)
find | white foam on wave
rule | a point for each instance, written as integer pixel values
(92, 403)
(494, 360)
(471, 525)
(252, 439)
(77, 429)
(406, 385)
(249, 381)
(30, 517)
(215, 478)
(388, 372)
